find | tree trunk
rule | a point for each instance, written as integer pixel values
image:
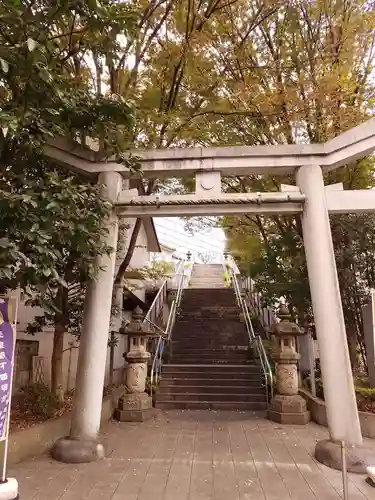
(57, 362)
(133, 240)
(61, 323)
(111, 358)
(129, 254)
(353, 354)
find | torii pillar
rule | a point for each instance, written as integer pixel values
(83, 445)
(342, 413)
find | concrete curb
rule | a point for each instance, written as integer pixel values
(40, 438)
(317, 408)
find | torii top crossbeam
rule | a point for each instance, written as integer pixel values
(279, 159)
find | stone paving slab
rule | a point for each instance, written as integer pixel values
(195, 455)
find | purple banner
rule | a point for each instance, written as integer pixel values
(7, 343)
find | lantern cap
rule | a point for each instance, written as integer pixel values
(137, 326)
(286, 327)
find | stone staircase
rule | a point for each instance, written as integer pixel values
(206, 276)
(209, 366)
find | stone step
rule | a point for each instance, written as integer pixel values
(221, 292)
(214, 305)
(192, 361)
(249, 369)
(241, 398)
(180, 334)
(191, 351)
(209, 305)
(204, 344)
(213, 361)
(210, 354)
(211, 297)
(226, 310)
(212, 325)
(207, 352)
(208, 342)
(213, 375)
(220, 295)
(199, 328)
(246, 389)
(197, 317)
(221, 362)
(217, 382)
(199, 283)
(213, 276)
(212, 405)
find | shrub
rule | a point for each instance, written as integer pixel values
(39, 400)
(306, 382)
(367, 393)
(361, 382)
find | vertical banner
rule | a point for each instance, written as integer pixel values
(8, 307)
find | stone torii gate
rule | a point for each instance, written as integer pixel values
(309, 197)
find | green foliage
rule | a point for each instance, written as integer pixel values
(38, 399)
(157, 270)
(362, 382)
(52, 58)
(51, 232)
(285, 66)
(227, 280)
(45, 70)
(367, 393)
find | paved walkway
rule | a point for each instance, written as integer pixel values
(198, 455)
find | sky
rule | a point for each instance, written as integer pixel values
(170, 231)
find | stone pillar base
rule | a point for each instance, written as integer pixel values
(76, 451)
(135, 407)
(358, 458)
(370, 476)
(289, 410)
(9, 489)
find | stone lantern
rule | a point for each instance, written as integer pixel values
(136, 405)
(287, 407)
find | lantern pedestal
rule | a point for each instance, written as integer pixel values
(136, 405)
(134, 408)
(290, 410)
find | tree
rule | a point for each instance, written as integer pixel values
(51, 233)
(51, 222)
(169, 68)
(264, 73)
(45, 72)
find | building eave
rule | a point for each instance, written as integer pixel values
(153, 244)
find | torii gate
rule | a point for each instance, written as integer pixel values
(309, 197)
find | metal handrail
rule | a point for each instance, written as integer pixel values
(231, 280)
(157, 304)
(158, 356)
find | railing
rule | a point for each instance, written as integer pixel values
(183, 273)
(156, 308)
(231, 280)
